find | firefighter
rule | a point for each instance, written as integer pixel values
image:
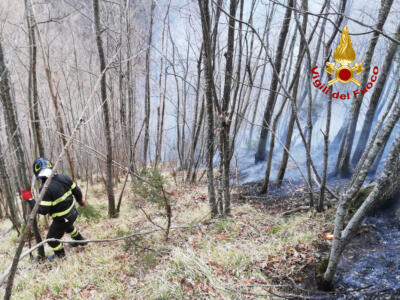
(59, 203)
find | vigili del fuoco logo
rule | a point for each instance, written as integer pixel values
(344, 55)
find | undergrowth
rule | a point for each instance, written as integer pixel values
(90, 212)
(210, 259)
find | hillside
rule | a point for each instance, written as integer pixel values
(254, 252)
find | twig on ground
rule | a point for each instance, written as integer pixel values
(268, 294)
(150, 219)
(297, 209)
(4, 276)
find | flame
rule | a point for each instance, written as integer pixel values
(344, 53)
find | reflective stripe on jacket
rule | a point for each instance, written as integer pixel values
(58, 200)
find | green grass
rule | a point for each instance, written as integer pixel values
(90, 212)
(202, 262)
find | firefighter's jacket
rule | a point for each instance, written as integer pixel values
(58, 201)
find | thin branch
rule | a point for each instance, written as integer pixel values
(4, 276)
(325, 16)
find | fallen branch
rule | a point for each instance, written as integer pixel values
(301, 208)
(150, 219)
(268, 294)
(4, 276)
(255, 197)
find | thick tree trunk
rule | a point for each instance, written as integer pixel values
(262, 143)
(12, 123)
(343, 168)
(107, 125)
(386, 188)
(225, 115)
(276, 119)
(376, 95)
(208, 62)
(265, 35)
(374, 147)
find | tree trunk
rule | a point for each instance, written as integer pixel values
(131, 92)
(197, 119)
(225, 115)
(33, 98)
(373, 102)
(107, 125)
(53, 93)
(320, 206)
(343, 168)
(122, 85)
(262, 143)
(147, 88)
(208, 62)
(295, 86)
(7, 191)
(162, 86)
(12, 124)
(386, 188)
(374, 147)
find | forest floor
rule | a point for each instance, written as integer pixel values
(262, 250)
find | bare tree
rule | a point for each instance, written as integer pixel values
(374, 147)
(262, 143)
(209, 95)
(147, 89)
(7, 192)
(16, 138)
(33, 97)
(343, 160)
(107, 126)
(375, 97)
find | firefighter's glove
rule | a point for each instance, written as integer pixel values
(26, 195)
(82, 202)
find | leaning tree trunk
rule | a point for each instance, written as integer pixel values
(373, 103)
(209, 83)
(53, 92)
(262, 143)
(197, 119)
(11, 120)
(387, 187)
(374, 147)
(343, 160)
(295, 86)
(107, 124)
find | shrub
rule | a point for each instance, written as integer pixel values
(150, 187)
(89, 212)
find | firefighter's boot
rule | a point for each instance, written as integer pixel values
(57, 254)
(78, 237)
